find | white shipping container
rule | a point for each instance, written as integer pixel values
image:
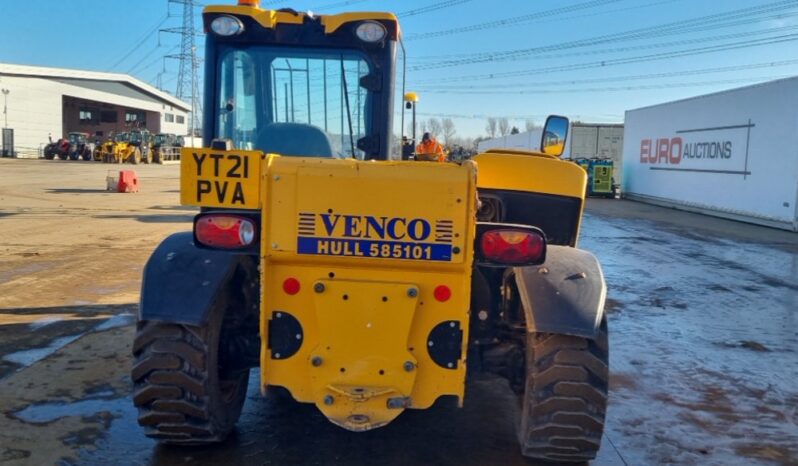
(732, 154)
(584, 140)
(529, 140)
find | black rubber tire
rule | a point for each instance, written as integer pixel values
(565, 399)
(135, 157)
(181, 396)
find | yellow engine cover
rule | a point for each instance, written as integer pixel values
(353, 252)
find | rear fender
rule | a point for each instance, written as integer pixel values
(565, 295)
(181, 281)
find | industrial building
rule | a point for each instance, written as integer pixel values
(41, 103)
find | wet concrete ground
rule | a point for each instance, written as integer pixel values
(703, 341)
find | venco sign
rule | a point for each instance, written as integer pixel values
(722, 149)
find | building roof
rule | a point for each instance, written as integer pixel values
(94, 79)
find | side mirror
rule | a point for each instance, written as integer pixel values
(555, 133)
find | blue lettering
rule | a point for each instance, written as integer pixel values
(391, 228)
(328, 225)
(378, 227)
(412, 229)
(351, 224)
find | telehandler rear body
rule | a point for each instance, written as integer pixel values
(313, 259)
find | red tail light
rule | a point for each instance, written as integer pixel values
(513, 247)
(225, 231)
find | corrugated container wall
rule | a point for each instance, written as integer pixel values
(732, 154)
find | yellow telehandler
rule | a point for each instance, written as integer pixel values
(313, 260)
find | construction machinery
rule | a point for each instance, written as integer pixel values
(166, 147)
(134, 146)
(313, 259)
(600, 182)
(138, 148)
(80, 147)
(110, 148)
(73, 147)
(57, 150)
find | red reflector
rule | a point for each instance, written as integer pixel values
(442, 293)
(291, 286)
(510, 247)
(224, 231)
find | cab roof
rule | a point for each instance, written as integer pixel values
(270, 19)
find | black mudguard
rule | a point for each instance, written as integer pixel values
(565, 295)
(181, 280)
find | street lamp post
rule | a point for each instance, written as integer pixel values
(5, 106)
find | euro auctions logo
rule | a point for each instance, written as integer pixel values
(675, 150)
(661, 151)
(711, 149)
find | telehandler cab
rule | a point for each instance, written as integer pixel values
(307, 261)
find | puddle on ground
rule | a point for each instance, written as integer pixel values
(49, 412)
(116, 321)
(45, 321)
(28, 357)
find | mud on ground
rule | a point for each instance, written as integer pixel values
(702, 316)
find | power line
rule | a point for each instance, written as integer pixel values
(158, 59)
(430, 8)
(640, 87)
(144, 38)
(512, 21)
(724, 69)
(624, 61)
(743, 15)
(146, 56)
(736, 35)
(482, 116)
(330, 6)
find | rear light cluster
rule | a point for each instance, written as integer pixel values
(513, 246)
(225, 231)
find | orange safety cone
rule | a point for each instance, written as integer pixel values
(128, 182)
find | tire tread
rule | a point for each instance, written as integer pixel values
(565, 400)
